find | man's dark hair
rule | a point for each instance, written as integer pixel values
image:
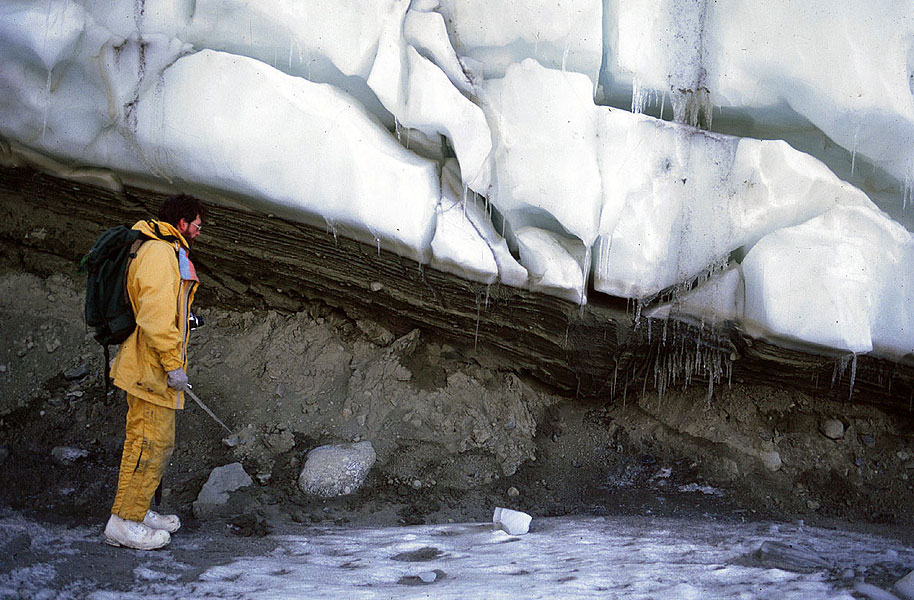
(181, 206)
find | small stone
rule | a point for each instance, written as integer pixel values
(52, 346)
(3, 368)
(244, 437)
(376, 286)
(65, 454)
(77, 373)
(903, 455)
(868, 440)
(772, 460)
(361, 420)
(812, 505)
(513, 492)
(417, 484)
(833, 429)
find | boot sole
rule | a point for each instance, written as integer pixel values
(117, 544)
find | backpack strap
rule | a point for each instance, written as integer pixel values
(162, 236)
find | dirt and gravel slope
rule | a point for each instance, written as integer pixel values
(457, 430)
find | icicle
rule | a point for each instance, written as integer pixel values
(853, 375)
(854, 150)
(397, 127)
(615, 373)
(378, 242)
(291, 44)
(585, 276)
(47, 103)
(637, 97)
(488, 285)
(908, 189)
(476, 335)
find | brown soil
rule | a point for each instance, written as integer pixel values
(457, 431)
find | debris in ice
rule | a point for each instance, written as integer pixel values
(513, 522)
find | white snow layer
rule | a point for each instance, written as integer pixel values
(464, 134)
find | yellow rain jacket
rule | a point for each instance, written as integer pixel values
(161, 282)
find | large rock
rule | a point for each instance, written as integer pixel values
(336, 470)
(216, 491)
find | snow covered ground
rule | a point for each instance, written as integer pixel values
(618, 557)
(546, 123)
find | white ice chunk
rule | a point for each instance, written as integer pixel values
(465, 236)
(427, 33)
(722, 298)
(545, 153)
(561, 34)
(127, 19)
(41, 35)
(556, 263)
(457, 246)
(230, 122)
(514, 522)
(421, 96)
(904, 587)
(841, 280)
(677, 201)
(848, 71)
(295, 36)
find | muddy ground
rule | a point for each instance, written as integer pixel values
(456, 430)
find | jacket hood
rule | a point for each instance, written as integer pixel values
(165, 229)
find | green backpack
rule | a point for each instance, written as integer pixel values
(108, 309)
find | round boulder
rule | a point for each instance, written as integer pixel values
(833, 429)
(336, 470)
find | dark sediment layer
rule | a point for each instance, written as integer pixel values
(254, 260)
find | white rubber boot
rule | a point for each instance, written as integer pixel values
(169, 523)
(132, 534)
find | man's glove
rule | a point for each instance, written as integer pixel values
(177, 379)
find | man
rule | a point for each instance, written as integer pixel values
(150, 366)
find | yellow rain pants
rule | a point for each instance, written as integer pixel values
(147, 449)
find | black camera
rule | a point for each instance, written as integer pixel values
(194, 321)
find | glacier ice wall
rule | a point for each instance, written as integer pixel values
(747, 161)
